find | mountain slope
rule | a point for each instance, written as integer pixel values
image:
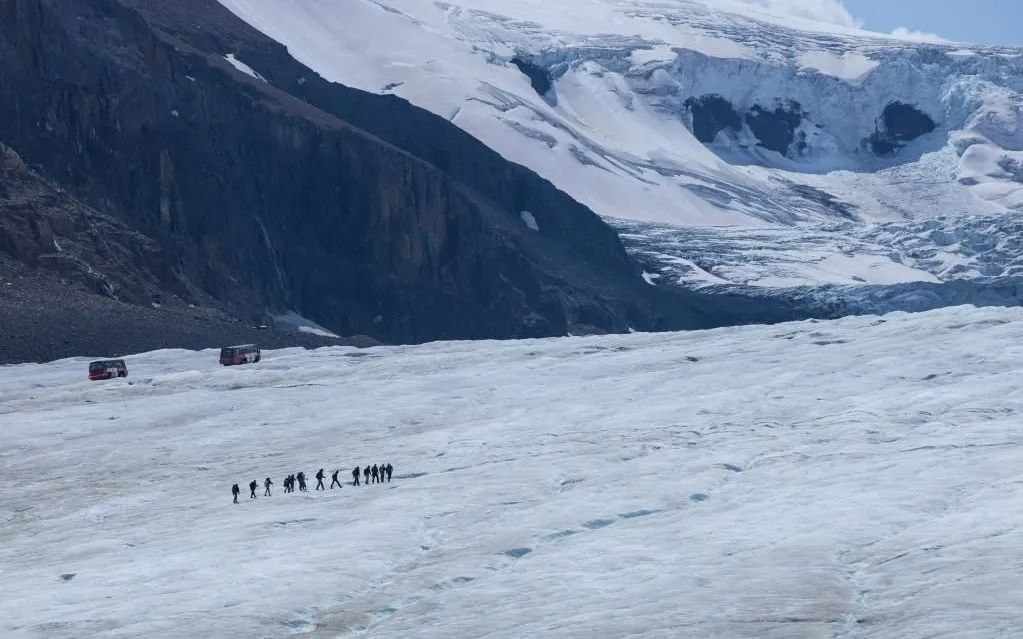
(586, 487)
(267, 202)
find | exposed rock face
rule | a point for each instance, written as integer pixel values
(44, 317)
(539, 77)
(775, 129)
(899, 123)
(364, 213)
(712, 114)
(42, 226)
(76, 282)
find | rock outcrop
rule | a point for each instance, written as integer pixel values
(899, 124)
(76, 282)
(42, 226)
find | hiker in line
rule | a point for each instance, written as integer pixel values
(390, 469)
(289, 484)
(376, 474)
(319, 480)
(365, 474)
(301, 481)
(266, 484)
(234, 491)
(333, 480)
(252, 489)
(355, 475)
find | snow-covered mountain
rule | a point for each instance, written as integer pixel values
(700, 114)
(868, 486)
(243, 183)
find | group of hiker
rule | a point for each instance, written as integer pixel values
(373, 474)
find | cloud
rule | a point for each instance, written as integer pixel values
(835, 12)
(903, 33)
(829, 11)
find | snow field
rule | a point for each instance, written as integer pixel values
(857, 478)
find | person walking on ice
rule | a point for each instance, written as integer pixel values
(252, 489)
(365, 473)
(301, 481)
(266, 484)
(234, 491)
(333, 480)
(355, 476)
(390, 469)
(319, 480)
(376, 473)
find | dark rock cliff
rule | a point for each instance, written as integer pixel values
(712, 114)
(76, 282)
(41, 226)
(775, 129)
(899, 124)
(539, 77)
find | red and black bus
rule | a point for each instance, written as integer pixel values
(235, 355)
(107, 369)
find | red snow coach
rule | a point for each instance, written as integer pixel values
(107, 369)
(235, 355)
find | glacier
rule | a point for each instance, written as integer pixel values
(856, 478)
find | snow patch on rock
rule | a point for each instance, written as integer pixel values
(293, 321)
(244, 68)
(529, 220)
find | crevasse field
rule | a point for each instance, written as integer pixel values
(857, 478)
